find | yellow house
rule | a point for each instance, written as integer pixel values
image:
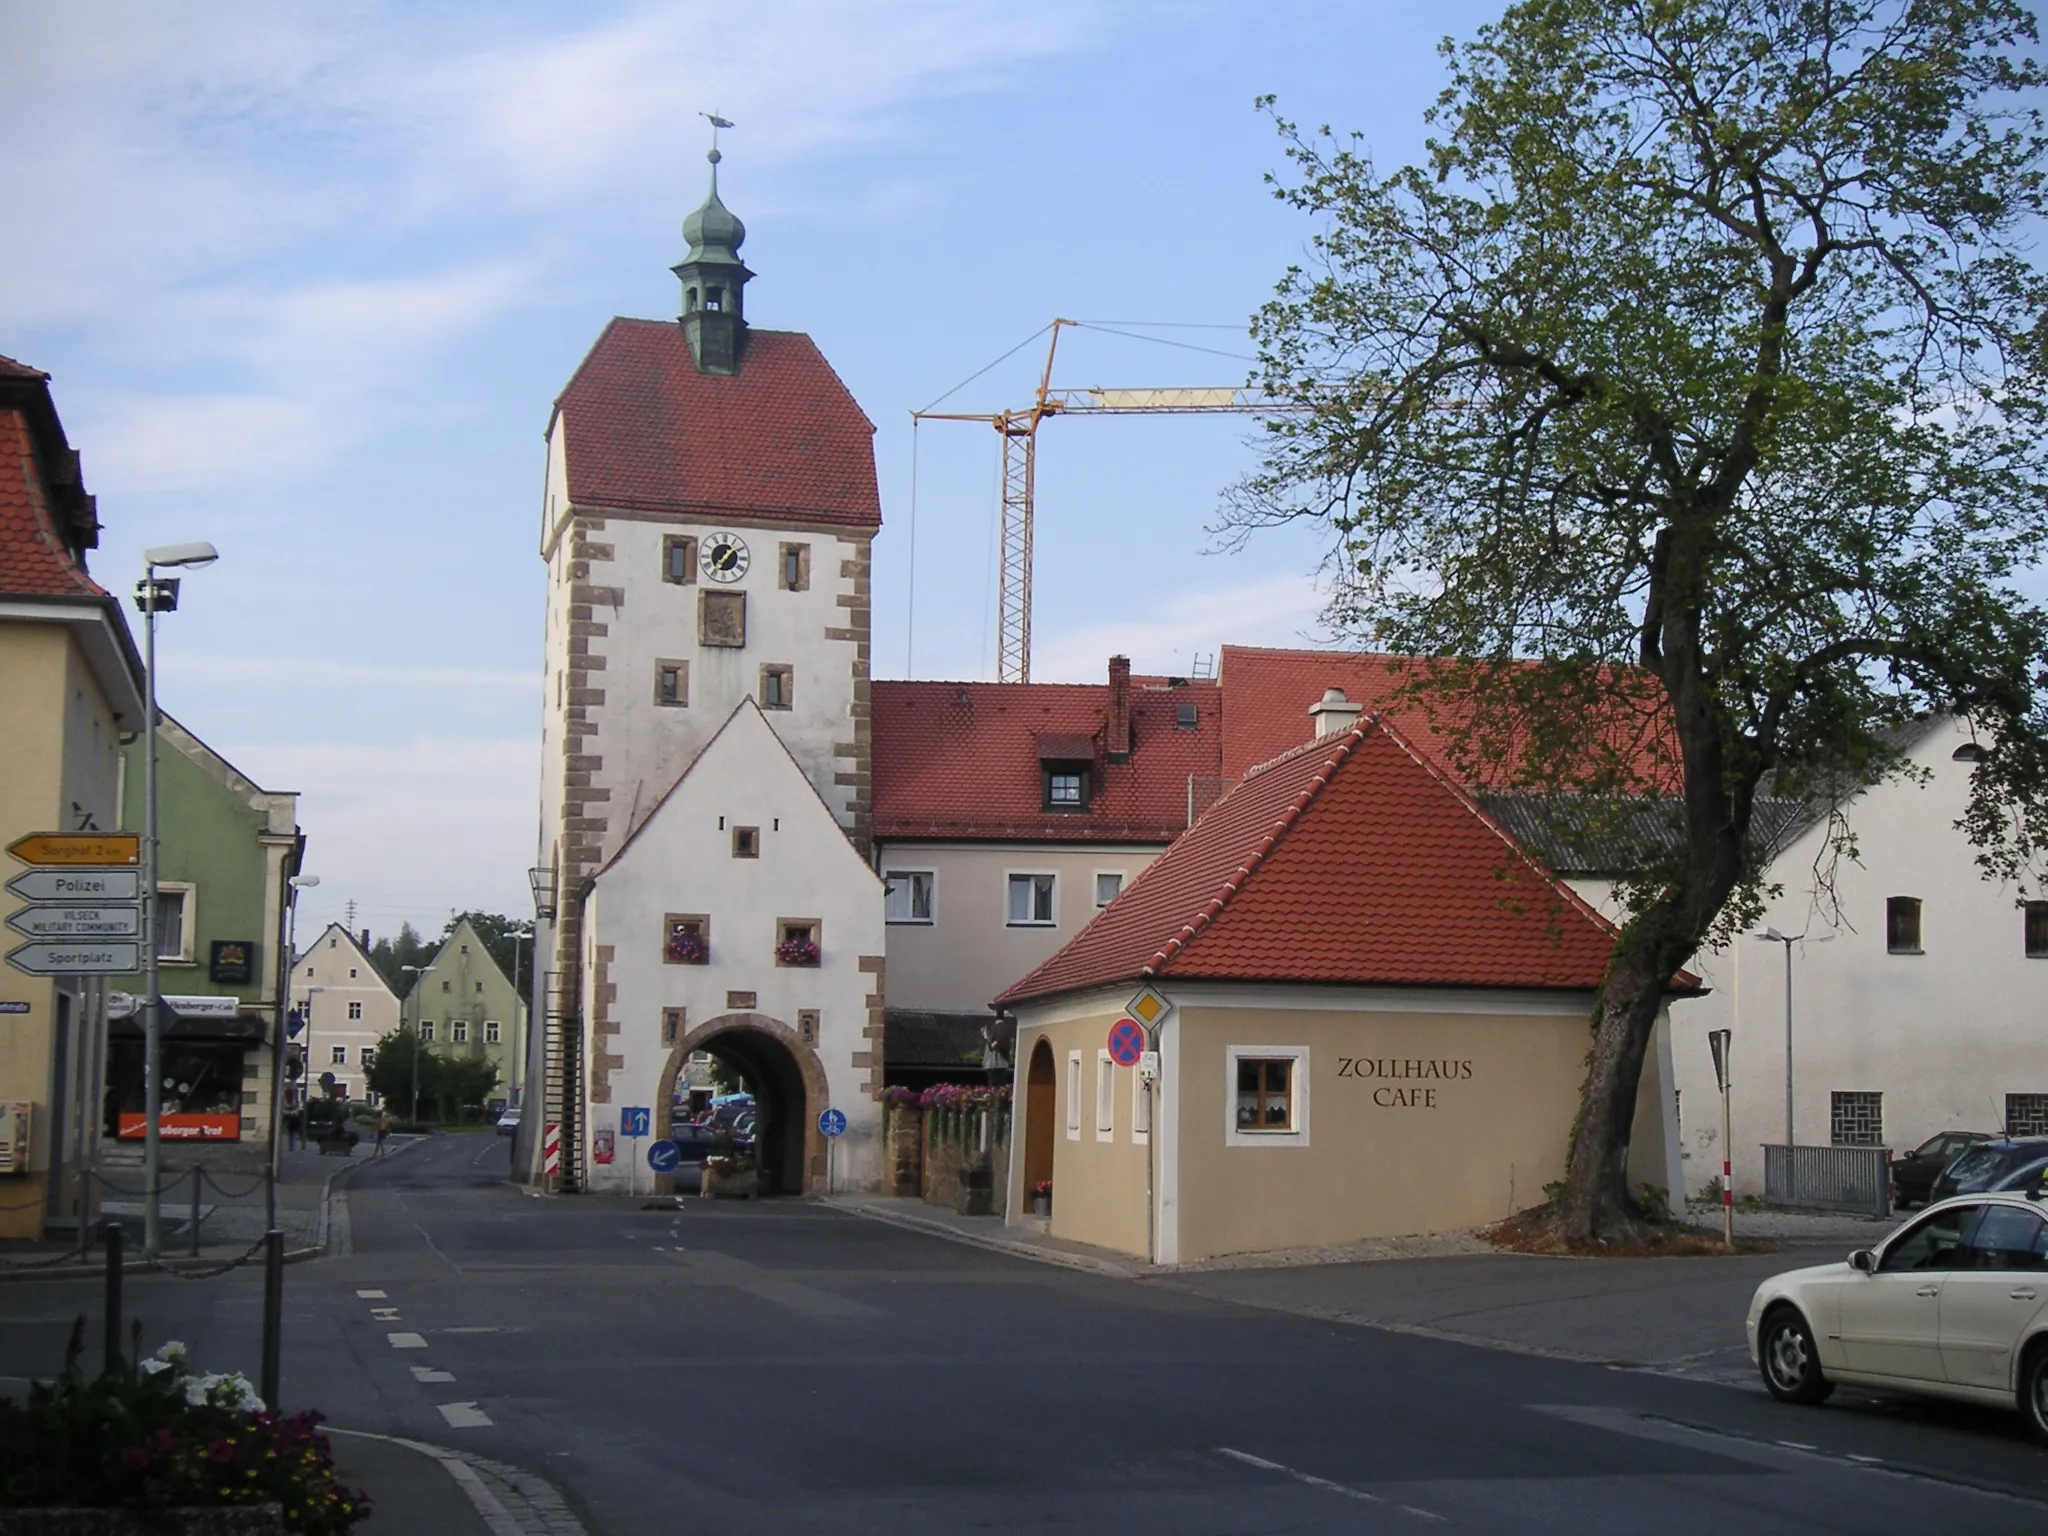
(1369, 1018)
(70, 688)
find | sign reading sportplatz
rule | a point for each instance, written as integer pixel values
(76, 848)
(105, 957)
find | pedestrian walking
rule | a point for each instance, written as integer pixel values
(294, 1133)
(383, 1130)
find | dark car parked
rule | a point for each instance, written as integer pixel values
(1988, 1165)
(1913, 1175)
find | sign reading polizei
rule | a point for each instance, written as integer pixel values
(78, 922)
(96, 886)
(105, 957)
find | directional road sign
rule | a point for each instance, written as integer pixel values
(103, 957)
(94, 885)
(123, 1005)
(663, 1155)
(78, 922)
(75, 848)
(832, 1123)
(1126, 1042)
(635, 1122)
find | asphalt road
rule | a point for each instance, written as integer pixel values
(781, 1367)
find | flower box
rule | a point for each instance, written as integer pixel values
(796, 952)
(686, 949)
(716, 1183)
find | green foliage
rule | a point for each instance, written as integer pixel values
(1703, 362)
(153, 1435)
(390, 956)
(448, 1085)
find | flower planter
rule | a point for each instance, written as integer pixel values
(1041, 1205)
(744, 1184)
(219, 1520)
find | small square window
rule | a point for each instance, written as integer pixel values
(1186, 717)
(807, 1025)
(746, 842)
(427, 1030)
(907, 896)
(2026, 1114)
(1265, 1094)
(1856, 1119)
(1266, 1099)
(1031, 903)
(444, 986)
(686, 939)
(1109, 885)
(1902, 925)
(778, 686)
(339, 1056)
(2037, 930)
(479, 989)
(796, 568)
(369, 1057)
(673, 1021)
(351, 973)
(355, 1010)
(491, 1032)
(796, 941)
(1066, 788)
(672, 684)
(679, 560)
(722, 619)
(458, 1031)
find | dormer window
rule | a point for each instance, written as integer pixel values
(1066, 787)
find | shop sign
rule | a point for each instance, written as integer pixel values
(232, 962)
(203, 1007)
(1405, 1082)
(183, 1127)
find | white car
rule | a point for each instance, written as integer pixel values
(1953, 1304)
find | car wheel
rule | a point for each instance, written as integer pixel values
(2034, 1391)
(1791, 1364)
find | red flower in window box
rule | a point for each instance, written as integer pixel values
(796, 952)
(686, 949)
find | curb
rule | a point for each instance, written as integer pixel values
(512, 1502)
(1016, 1250)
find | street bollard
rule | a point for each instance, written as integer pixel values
(273, 1313)
(198, 1175)
(113, 1317)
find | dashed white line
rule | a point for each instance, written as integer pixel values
(465, 1416)
(429, 1373)
(384, 1314)
(371, 1295)
(1323, 1483)
(406, 1341)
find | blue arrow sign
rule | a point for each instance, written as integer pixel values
(663, 1155)
(832, 1123)
(635, 1122)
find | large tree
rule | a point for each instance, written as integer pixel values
(1701, 362)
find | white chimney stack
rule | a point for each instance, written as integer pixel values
(1334, 713)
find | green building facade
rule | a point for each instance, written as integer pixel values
(463, 1004)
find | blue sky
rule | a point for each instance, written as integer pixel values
(308, 277)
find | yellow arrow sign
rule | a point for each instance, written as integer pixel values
(74, 848)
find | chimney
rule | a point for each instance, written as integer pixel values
(366, 938)
(1333, 713)
(1117, 741)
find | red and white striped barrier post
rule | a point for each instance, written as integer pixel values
(551, 1152)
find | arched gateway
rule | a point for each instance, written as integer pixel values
(788, 1083)
(1041, 1091)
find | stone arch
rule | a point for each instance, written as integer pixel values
(810, 1071)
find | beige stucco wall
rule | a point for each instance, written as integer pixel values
(969, 951)
(1098, 1183)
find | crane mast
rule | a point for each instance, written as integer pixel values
(1018, 430)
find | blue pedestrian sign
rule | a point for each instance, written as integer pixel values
(832, 1123)
(634, 1122)
(663, 1156)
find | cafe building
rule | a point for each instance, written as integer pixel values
(1369, 1012)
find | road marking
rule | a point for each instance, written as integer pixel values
(465, 1416)
(406, 1341)
(383, 1314)
(1323, 1483)
(483, 1330)
(429, 1373)
(372, 1295)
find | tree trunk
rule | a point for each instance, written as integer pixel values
(1597, 1206)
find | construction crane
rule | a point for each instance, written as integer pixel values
(1019, 432)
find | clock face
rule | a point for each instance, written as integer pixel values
(725, 557)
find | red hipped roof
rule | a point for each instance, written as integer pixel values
(781, 439)
(1349, 860)
(962, 760)
(42, 549)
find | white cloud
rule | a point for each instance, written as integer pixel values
(1279, 610)
(413, 830)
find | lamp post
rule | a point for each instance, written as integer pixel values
(419, 977)
(1772, 935)
(154, 595)
(293, 886)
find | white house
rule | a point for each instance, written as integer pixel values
(1917, 989)
(346, 1008)
(737, 917)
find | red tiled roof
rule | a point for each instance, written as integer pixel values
(961, 760)
(782, 438)
(37, 558)
(10, 369)
(1267, 694)
(1350, 860)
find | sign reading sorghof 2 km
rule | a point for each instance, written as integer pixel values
(83, 907)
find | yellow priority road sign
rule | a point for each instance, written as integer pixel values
(70, 848)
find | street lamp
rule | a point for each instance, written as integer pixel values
(419, 976)
(1771, 935)
(290, 958)
(154, 595)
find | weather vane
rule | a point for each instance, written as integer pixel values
(716, 123)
